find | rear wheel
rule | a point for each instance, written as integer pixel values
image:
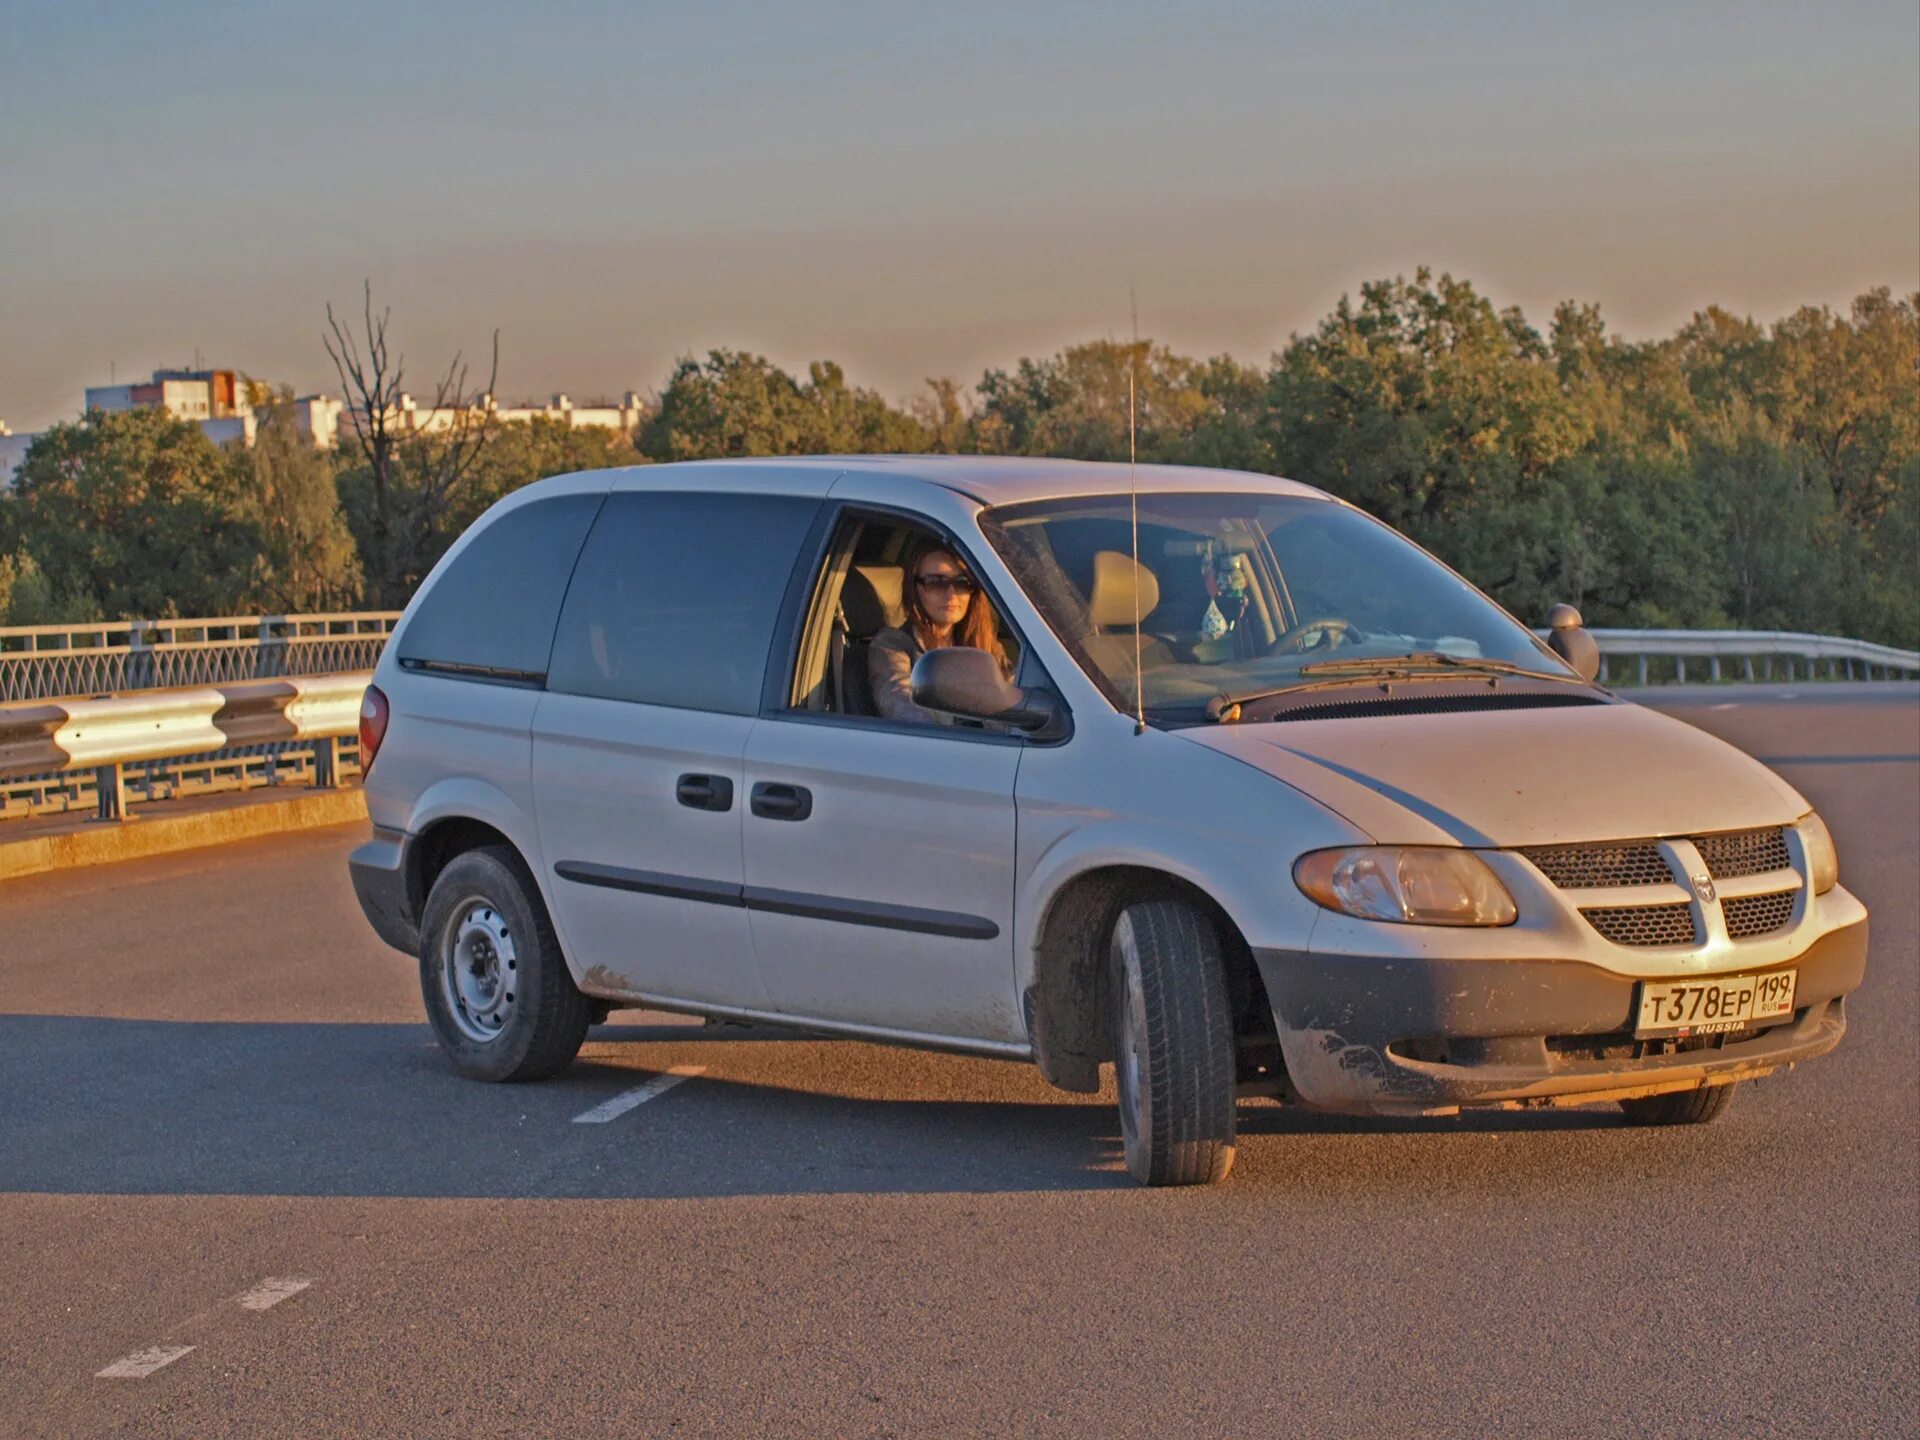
(497, 991)
(1172, 1044)
(1680, 1107)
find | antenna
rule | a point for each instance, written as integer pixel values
(1133, 501)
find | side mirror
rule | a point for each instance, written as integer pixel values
(1568, 639)
(959, 680)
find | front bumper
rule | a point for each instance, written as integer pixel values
(1404, 1035)
(380, 870)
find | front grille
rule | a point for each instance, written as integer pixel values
(1623, 863)
(1758, 914)
(1644, 924)
(1589, 867)
(1745, 852)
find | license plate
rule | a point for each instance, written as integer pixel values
(1711, 1005)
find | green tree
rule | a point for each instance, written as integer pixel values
(523, 452)
(284, 490)
(1079, 402)
(1633, 541)
(1847, 389)
(1767, 519)
(1882, 598)
(1226, 425)
(132, 514)
(945, 416)
(1417, 399)
(25, 598)
(736, 404)
(851, 420)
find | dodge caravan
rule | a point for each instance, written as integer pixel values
(1242, 793)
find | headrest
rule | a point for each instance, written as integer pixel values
(1113, 580)
(870, 599)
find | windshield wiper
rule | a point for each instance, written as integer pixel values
(1226, 708)
(1427, 659)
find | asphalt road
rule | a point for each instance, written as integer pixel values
(212, 1077)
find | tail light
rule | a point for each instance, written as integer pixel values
(373, 726)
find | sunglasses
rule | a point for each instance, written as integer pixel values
(947, 584)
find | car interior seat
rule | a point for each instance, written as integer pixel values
(1110, 611)
(870, 601)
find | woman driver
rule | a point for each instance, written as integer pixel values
(943, 608)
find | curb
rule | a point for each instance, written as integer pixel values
(161, 834)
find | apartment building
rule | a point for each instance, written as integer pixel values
(220, 402)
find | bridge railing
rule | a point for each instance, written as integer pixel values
(40, 662)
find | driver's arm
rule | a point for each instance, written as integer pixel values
(890, 674)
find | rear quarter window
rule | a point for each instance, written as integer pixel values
(676, 598)
(493, 609)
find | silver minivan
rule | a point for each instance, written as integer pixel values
(1203, 774)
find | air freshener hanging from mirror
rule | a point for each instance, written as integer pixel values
(1213, 624)
(1225, 575)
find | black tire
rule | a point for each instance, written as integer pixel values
(1172, 1043)
(1680, 1107)
(497, 991)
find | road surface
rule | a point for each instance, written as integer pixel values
(232, 1164)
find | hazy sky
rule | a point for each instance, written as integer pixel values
(913, 190)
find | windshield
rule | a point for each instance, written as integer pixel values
(1243, 594)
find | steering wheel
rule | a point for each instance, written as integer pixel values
(1333, 632)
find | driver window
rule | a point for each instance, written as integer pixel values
(872, 615)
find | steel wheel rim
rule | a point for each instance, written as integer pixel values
(1130, 1041)
(479, 971)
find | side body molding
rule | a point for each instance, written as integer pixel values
(910, 918)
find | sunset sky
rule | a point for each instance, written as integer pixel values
(913, 190)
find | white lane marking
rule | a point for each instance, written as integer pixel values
(142, 1363)
(619, 1105)
(1729, 705)
(270, 1292)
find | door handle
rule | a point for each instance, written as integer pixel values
(781, 802)
(704, 792)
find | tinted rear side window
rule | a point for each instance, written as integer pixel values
(675, 599)
(494, 608)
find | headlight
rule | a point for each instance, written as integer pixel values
(1410, 885)
(1823, 861)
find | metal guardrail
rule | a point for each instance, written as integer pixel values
(1753, 653)
(50, 661)
(203, 738)
(254, 731)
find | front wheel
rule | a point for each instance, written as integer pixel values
(497, 991)
(1680, 1107)
(1173, 1044)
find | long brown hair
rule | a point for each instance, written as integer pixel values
(977, 629)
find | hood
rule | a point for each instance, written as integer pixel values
(1516, 777)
